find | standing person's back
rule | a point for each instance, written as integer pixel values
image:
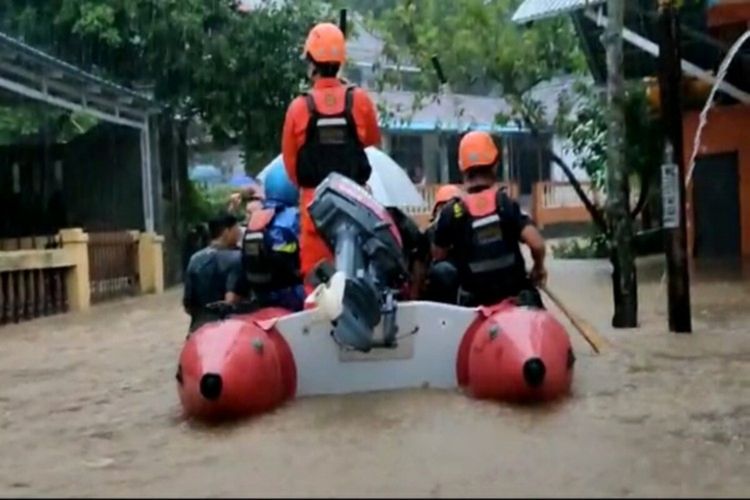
(326, 130)
(214, 274)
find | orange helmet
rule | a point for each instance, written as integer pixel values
(444, 195)
(325, 44)
(477, 149)
(447, 193)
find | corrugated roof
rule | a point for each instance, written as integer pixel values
(456, 112)
(8, 44)
(532, 10)
(548, 93)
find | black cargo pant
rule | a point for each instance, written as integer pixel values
(443, 285)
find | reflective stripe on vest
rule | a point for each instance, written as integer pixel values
(489, 250)
(496, 264)
(331, 122)
(331, 145)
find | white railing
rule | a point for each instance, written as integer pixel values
(562, 195)
(559, 195)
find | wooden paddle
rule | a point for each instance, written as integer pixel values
(587, 331)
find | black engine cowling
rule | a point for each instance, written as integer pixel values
(367, 249)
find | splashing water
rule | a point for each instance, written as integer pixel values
(723, 68)
(703, 119)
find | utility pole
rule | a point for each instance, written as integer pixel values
(673, 170)
(625, 287)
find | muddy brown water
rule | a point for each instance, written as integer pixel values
(88, 407)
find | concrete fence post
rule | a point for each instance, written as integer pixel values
(151, 262)
(76, 244)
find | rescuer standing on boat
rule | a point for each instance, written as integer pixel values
(214, 274)
(326, 130)
(482, 231)
(270, 247)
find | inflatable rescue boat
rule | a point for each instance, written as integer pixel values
(359, 337)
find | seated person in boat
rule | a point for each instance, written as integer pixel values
(482, 232)
(270, 245)
(436, 288)
(416, 250)
(214, 274)
(446, 193)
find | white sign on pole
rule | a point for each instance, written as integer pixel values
(670, 196)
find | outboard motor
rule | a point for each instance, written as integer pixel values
(367, 247)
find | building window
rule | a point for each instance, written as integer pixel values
(406, 150)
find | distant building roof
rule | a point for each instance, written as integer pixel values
(365, 48)
(405, 111)
(548, 93)
(532, 10)
(458, 112)
(249, 5)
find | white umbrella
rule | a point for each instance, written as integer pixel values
(390, 184)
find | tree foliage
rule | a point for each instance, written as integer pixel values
(586, 129)
(482, 51)
(478, 45)
(203, 58)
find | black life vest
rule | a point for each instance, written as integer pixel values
(494, 263)
(266, 269)
(332, 145)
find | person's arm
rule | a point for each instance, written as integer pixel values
(247, 194)
(366, 116)
(411, 238)
(535, 241)
(187, 294)
(530, 235)
(443, 236)
(289, 144)
(235, 281)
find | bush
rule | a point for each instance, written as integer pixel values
(202, 203)
(590, 247)
(649, 242)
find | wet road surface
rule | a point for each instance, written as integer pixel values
(88, 407)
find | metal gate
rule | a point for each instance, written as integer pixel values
(113, 265)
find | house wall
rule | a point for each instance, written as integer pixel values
(556, 173)
(727, 130)
(426, 151)
(437, 153)
(173, 161)
(102, 179)
(93, 182)
(229, 160)
(29, 190)
(431, 156)
(725, 12)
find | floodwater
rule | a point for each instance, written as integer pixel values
(88, 407)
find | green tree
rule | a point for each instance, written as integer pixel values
(234, 71)
(585, 127)
(482, 50)
(479, 45)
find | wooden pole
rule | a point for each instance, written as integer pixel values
(625, 289)
(673, 171)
